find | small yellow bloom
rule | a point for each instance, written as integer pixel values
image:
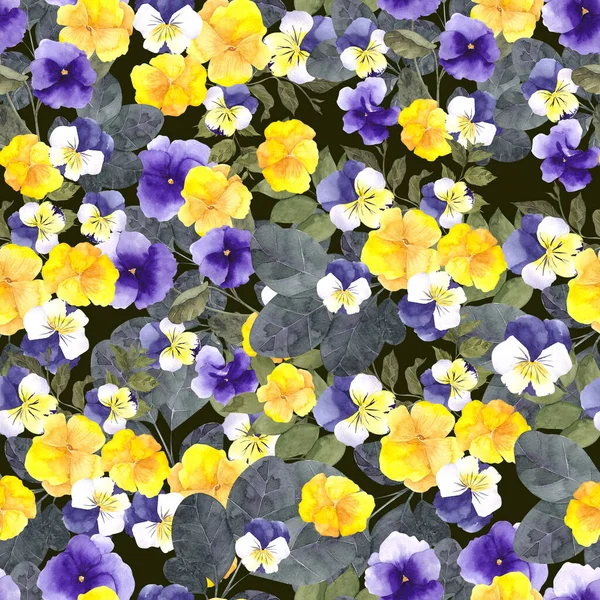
(418, 445)
(232, 40)
(212, 200)
(515, 18)
(336, 505)
(19, 290)
(135, 462)
(472, 257)
(401, 247)
(583, 513)
(17, 506)
(170, 82)
(28, 167)
(80, 275)
(289, 156)
(246, 329)
(424, 129)
(511, 586)
(288, 390)
(65, 453)
(101, 26)
(99, 593)
(205, 470)
(583, 300)
(490, 431)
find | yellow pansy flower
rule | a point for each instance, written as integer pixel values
(289, 156)
(205, 470)
(490, 431)
(80, 275)
(135, 462)
(65, 453)
(231, 41)
(170, 82)
(583, 513)
(472, 257)
(418, 445)
(99, 593)
(17, 506)
(100, 26)
(212, 200)
(514, 18)
(288, 390)
(19, 290)
(336, 505)
(424, 129)
(246, 329)
(401, 247)
(510, 586)
(583, 300)
(28, 167)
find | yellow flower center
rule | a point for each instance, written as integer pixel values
(584, 10)
(64, 72)
(170, 181)
(226, 252)
(7, 280)
(404, 578)
(81, 579)
(471, 47)
(231, 48)
(420, 437)
(499, 562)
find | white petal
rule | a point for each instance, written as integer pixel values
(74, 344)
(571, 579)
(246, 544)
(349, 58)
(449, 482)
(236, 425)
(538, 102)
(418, 288)
(214, 98)
(363, 385)
(279, 549)
(45, 244)
(32, 385)
(296, 21)
(565, 76)
(88, 211)
(361, 289)
(114, 424)
(110, 523)
(508, 354)
(145, 534)
(168, 504)
(82, 494)
(92, 162)
(440, 370)
(343, 218)
(556, 359)
(28, 213)
(64, 137)
(168, 361)
(106, 393)
(369, 179)
(190, 24)
(36, 324)
(146, 19)
(446, 317)
(442, 187)
(377, 41)
(167, 327)
(459, 401)
(484, 133)
(462, 106)
(11, 427)
(487, 501)
(552, 227)
(328, 285)
(267, 295)
(242, 117)
(538, 275)
(299, 74)
(351, 432)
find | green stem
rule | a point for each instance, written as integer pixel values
(396, 496)
(231, 580)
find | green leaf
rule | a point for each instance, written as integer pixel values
(10, 125)
(189, 304)
(412, 379)
(366, 595)
(390, 371)
(263, 187)
(479, 155)
(474, 347)
(260, 92)
(347, 584)
(10, 80)
(577, 213)
(4, 229)
(65, 192)
(459, 153)
(500, 226)
(112, 378)
(61, 379)
(363, 156)
(318, 226)
(121, 358)
(266, 426)
(397, 172)
(287, 95)
(316, 591)
(441, 354)
(327, 449)
(222, 151)
(596, 221)
(557, 416)
(542, 207)
(309, 360)
(326, 166)
(78, 387)
(408, 44)
(227, 326)
(135, 126)
(583, 432)
(203, 131)
(297, 441)
(142, 382)
(27, 362)
(414, 186)
(587, 371)
(588, 77)
(514, 292)
(244, 403)
(476, 221)
(143, 409)
(479, 176)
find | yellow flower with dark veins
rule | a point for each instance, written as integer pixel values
(336, 505)
(65, 453)
(288, 390)
(583, 513)
(510, 586)
(472, 257)
(28, 167)
(100, 26)
(135, 462)
(424, 129)
(80, 275)
(205, 470)
(514, 18)
(401, 247)
(288, 156)
(17, 506)
(212, 200)
(170, 82)
(19, 288)
(231, 41)
(490, 431)
(418, 445)
(583, 300)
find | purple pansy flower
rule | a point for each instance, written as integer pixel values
(101, 215)
(345, 287)
(470, 118)
(37, 226)
(578, 22)
(432, 305)
(590, 401)
(9, 590)
(223, 381)
(405, 568)
(146, 270)
(263, 546)
(446, 201)
(561, 159)
(575, 582)
(223, 255)
(363, 113)
(166, 165)
(493, 555)
(468, 49)
(409, 9)
(169, 344)
(85, 564)
(159, 592)
(110, 407)
(362, 48)
(335, 404)
(533, 355)
(13, 24)
(449, 383)
(62, 75)
(229, 109)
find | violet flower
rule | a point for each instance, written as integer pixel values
(159, 592)
(409, 9)
(13, 24)
(578, 22)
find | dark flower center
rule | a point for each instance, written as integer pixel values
(8, 280)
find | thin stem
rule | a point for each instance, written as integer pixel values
(585, 338)
(34, 109)
(165, 446)
(396, 496)
(233, 296)
(231, 580)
